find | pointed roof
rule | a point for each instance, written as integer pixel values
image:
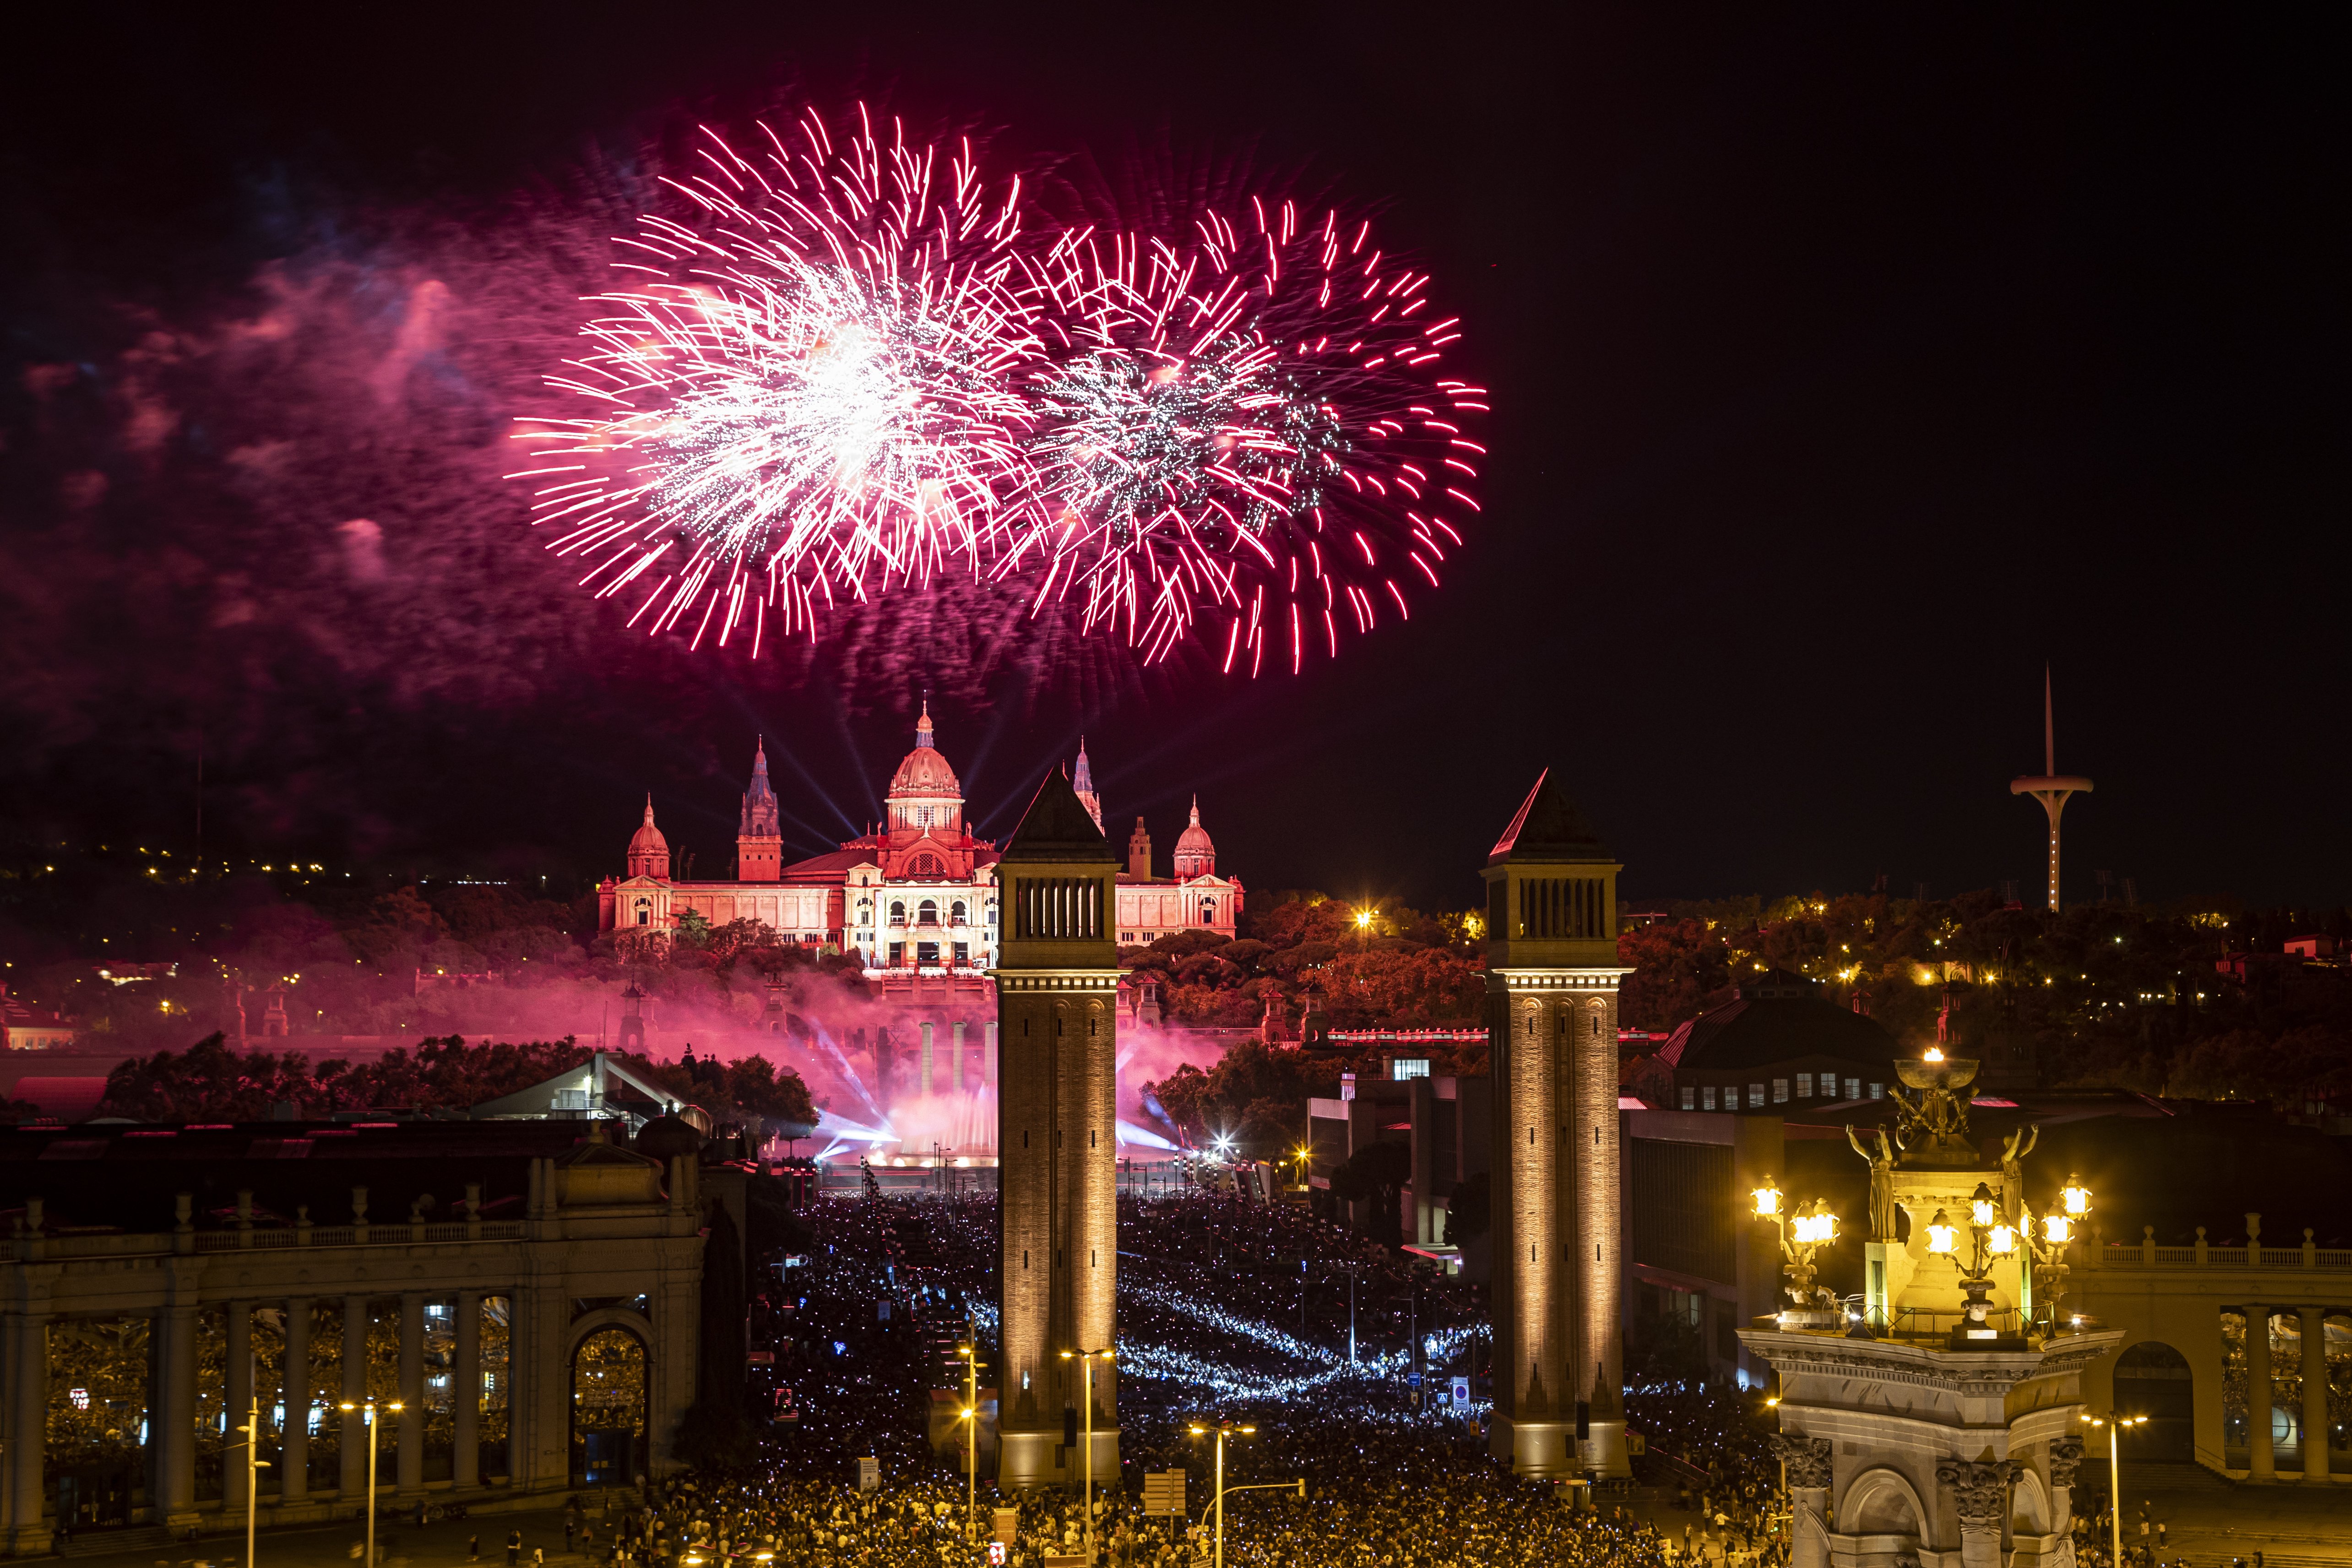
(1194, 836)
(923, 724)
(924, 772)
(1549, 828)
(1057, 827)
(1083, 779)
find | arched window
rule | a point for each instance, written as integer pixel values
(897, 913)
(608, 1409)
(866, 912)
(645, 912)
(927, 913)
(956, 914)
(1208, 912)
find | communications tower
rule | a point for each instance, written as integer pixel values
(2053, 788)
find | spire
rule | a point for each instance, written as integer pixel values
(2049, 730)
(760, 758)
(649, 808)
(1082, 783)
(1196, 810)
(923, 726)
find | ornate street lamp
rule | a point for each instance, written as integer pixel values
(1991, 1240)
(1803, 1236)
(2059, 1227)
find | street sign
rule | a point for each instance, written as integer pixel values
(996, 1551)
(1008, 1525)
(1163, 1493)
(869, 1474)
(1461, 1390)
(1413, 1380)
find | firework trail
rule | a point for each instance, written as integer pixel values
(1250, 427)
(809, 391)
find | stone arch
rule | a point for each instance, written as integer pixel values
(611, 1365)
(2029, 1504)
(1882, 1502)
(2153, 1379)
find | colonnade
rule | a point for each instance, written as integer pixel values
(2261, 1456)
(172, 1419)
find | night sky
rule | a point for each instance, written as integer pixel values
(1847, 369)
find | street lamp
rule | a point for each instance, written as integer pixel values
(2113, 1422)
(1803, 1236)
(2059, 1226)
(1221, 1429)
(1991, 1238)
(970, 1442)
(254, 1465)
(369, 1406)
(1086, 1359)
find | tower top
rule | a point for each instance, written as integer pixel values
(1057, 827)
(1549, 827)
(923, 724)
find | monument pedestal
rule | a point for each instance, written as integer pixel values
(1950, 1458)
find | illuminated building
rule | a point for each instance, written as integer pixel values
(917, 896)
(1056, 1004)
(1551, 1024)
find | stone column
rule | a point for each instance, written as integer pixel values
(955, 1045)
(355, 1433)
(29, 1420)
(987, 1054)
(410, 1464)
(238, 1396)
(466, 1393)
(1805, 1461)
(927, 1081)
(2315, 1393)
(2259, 1397)
(1980, 1497)
(294, 1441)
(174, 1431)
(2065, 1458)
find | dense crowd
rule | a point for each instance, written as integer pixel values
(1226, 1307)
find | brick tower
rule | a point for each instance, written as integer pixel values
(1551, 1024)
(1057, 1007)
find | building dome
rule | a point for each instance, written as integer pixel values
(648, 851)
(1195, 854)
(667, 1137)
(924, 772)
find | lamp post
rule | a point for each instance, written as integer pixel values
(1992, 1239)
(1803, 1234)
(970, 1437)
(2113, 1422)
(369, 1406)
(1087, 1358)
(254, 1465)
(1223, 1427)
(2049, 1250)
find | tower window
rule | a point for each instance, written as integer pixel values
(956, 912)
(897, 913)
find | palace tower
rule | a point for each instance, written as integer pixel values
(1057, 1006)
(1551, 1024)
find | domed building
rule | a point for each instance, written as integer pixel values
(917, 896)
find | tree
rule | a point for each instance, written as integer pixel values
(1377, 1174)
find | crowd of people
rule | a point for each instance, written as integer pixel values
(1262, 1314)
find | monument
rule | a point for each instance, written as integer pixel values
(1057, 1007)
(1942, 1425)
(2053, 788)
(1552, 1028)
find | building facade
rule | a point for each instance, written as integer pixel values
(529, 1295)
(917, 895)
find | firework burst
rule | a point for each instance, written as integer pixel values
(813, 389)
(1249, 429)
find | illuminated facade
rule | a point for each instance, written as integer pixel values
(1056, 1000)
(1551, 1024)
(917, 896)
